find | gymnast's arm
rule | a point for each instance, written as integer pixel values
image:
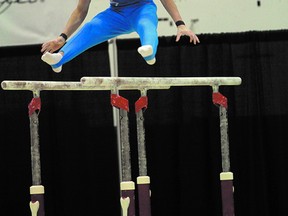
(76, 19)
(173, 11)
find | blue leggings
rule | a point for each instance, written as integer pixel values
(141, 18)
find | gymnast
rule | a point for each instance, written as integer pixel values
(122, 17)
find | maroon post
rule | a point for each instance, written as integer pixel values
(37, 200)
(227, 193)
(144, 194)
(127, 199)
(226, 177)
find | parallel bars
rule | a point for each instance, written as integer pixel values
(114, 84)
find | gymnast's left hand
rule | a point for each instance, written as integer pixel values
(183, 30)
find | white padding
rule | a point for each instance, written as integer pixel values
(37, 189)
(143, 180)
(34, 207)
(128, 185)
(125, 202)
(226, 176)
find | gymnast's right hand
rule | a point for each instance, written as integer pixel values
(53, 45)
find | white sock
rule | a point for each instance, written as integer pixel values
(57, 70)
(151, 62)
(145, 50)
(51, 59)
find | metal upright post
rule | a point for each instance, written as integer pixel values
(113, 59)
(226, 176)
(143, 181)
(127, 186)
(36, 190)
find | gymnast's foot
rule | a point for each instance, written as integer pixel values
(146, 51)
(51, 59)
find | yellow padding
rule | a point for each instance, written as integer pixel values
(226, 176)
(37, 189)
(143, 180)
(128, 185)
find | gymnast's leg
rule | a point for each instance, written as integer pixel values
(145, 23)
(103, 26)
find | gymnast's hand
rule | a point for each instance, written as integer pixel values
(53, 45)
(183, 30)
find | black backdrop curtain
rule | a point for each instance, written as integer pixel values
(78, 140)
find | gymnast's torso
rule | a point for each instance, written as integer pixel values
(121, 3)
